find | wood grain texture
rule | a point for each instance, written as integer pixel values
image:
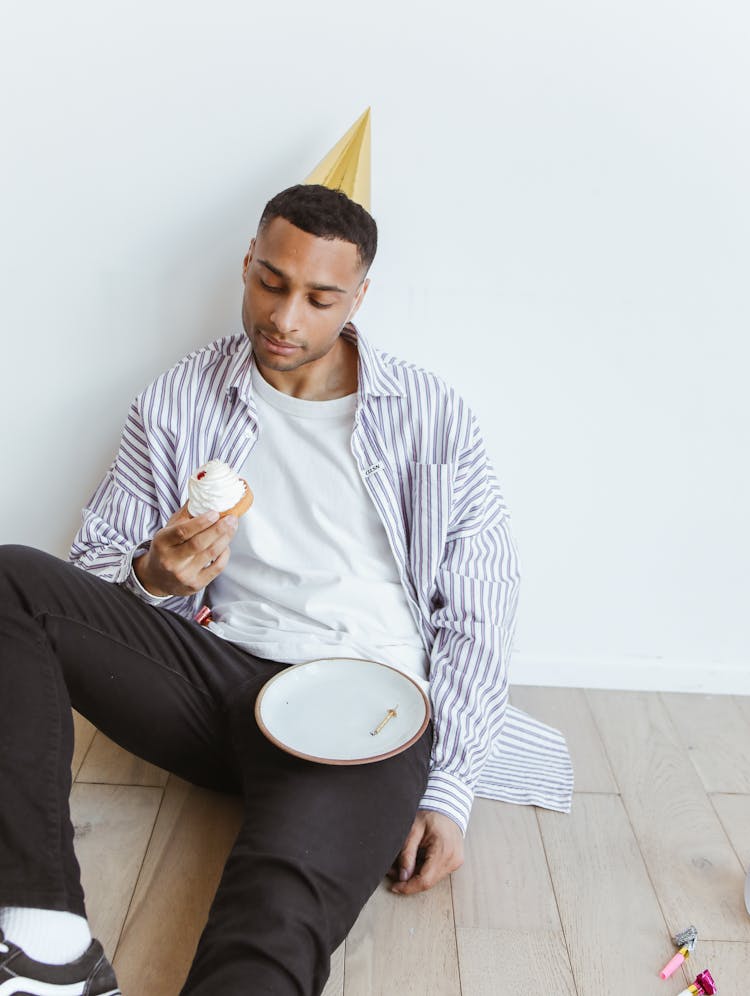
(695, 871)
(508, 930)
(613, 925)
(734, 813)
(716, 737)
(504, 882)
(509, 962)
(83, 733)
(568, 711)
(404, 945)
(729, 963)
(108, 763)
(619, 867)
(113, 825)
(193, 835)
(335, 984)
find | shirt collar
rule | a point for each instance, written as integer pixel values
(238, 380)
(374, 379)
(373, 376)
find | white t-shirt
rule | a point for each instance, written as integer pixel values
(311, 572)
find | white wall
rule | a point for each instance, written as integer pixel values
(564, 214)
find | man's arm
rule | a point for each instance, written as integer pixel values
(123, 512)
(478, 582)
(474, 616)
(124, 539)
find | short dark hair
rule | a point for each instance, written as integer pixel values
(327, 213)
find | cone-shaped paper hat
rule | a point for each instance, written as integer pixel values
(347, 165)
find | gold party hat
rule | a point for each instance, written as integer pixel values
(347, 166)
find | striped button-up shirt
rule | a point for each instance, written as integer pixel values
(423, 462)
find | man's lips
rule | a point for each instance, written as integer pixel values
(280, 344)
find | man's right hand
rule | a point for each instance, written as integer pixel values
(186, 554)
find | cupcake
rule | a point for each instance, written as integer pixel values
(216, 487)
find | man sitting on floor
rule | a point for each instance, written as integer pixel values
(378, 531)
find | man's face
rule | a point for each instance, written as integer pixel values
(300, 291)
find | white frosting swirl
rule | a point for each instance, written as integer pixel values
(214, 487)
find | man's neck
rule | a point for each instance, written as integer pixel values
(341, 378)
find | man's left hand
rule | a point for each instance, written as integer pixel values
(433, 849)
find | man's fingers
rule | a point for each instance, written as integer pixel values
(214, 569)
(440, 852)
(200, 556)
(428, 875)
(417, 883)
(407, 859)
(182, 528)
(187, 554)
(203, 546)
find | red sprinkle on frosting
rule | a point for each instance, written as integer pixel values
(201, 475)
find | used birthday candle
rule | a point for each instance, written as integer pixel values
(388, 716)
(704, 983)
(685, 941)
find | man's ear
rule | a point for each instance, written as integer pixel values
(359, 298)
(246, 261)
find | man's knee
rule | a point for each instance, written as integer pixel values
(17, 560)
(23, 571)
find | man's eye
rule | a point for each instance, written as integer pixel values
(318, 304)
(270, 287)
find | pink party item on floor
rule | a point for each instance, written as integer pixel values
(685, 941)
(704, 983)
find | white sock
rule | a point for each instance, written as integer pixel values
(54, 937)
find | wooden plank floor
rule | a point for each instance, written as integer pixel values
(581, 905)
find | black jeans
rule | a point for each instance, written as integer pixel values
(315, 840)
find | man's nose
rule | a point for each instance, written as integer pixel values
(286, 314)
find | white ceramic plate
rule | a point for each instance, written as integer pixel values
(327, 710)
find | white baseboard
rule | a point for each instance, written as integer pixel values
(645, 674)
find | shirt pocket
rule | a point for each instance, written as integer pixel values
(432, 493)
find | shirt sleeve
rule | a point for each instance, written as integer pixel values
(122, 515)
(474, 616)
(132, 583)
